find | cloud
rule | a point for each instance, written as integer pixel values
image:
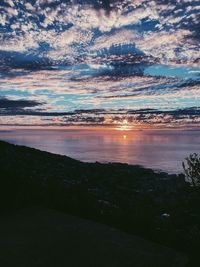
(114, 118)
(20, 60)
(72, 29)
(95, 55)
(9, 106)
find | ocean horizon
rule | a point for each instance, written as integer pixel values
(161, 150)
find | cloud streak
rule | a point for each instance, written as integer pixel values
(97, 117)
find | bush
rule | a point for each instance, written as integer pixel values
(192, 169)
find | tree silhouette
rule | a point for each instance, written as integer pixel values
(192, 169)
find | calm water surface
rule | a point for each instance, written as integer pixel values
(157, 149)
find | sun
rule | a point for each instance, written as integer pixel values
(124, 126)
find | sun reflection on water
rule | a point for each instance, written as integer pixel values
(124, 137)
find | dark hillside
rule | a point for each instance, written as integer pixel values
(157, 206)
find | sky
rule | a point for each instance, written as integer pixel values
(125, 64)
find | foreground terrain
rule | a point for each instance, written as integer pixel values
(156, 206)
(38, 237)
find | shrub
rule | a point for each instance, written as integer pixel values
(192, 169)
